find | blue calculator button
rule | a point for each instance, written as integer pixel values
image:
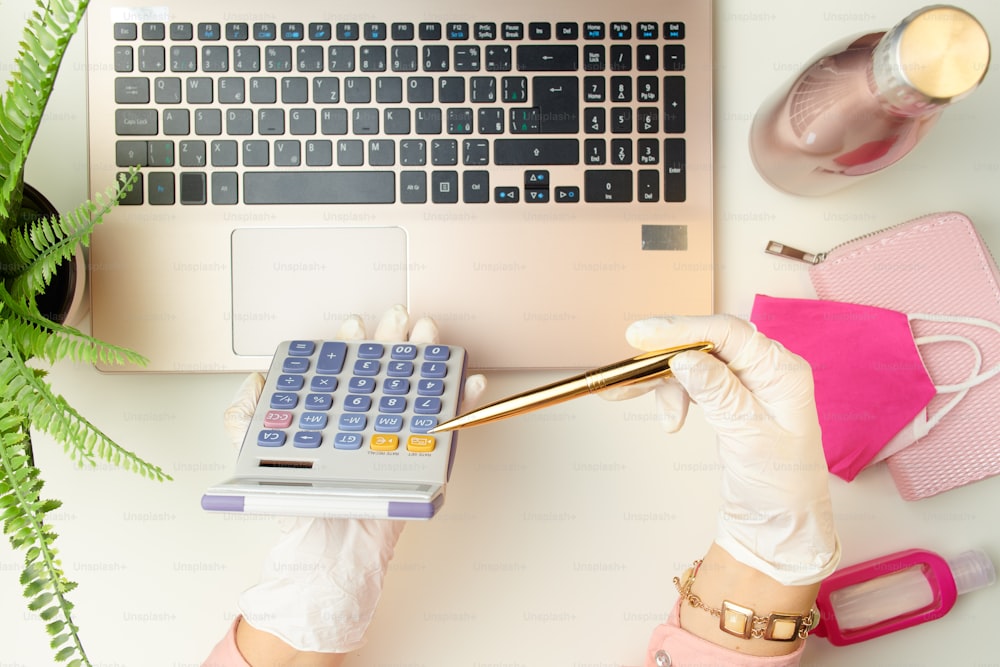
(433, 369)
(290, 382)
(389, 423)
(357, 403)
(396, 387)
(430, 388)
(361, 385)
(352, 422)
(437, 353)
(307, 439)
(423, 424)
(399, 369)
(269, 438)
(331, 357)
(371, 351)
(294, 365)
(314, 421)
(323, 383)
(367, 367)
(301, 348)
(348, 441)
(318, 402)
(427, 405)
(404, 352)
(283, 401)
(392, 404)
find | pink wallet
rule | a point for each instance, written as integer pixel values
(937, 270)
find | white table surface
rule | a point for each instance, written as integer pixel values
(562, 529)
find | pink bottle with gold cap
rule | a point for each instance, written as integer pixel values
(866, 101)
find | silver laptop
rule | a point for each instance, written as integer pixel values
(534, 177)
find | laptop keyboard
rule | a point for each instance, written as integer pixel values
(412, 113)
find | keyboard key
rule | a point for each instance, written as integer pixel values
(674, 170)
(331, 358)
(348, 441)
(674, 119)
(270, 438)
(558, 100)
(608, 186)
(536, 151)
(307, 440)
(444, 187)
(327, 187)
(548, 58)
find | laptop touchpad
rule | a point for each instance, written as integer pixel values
(303, 282)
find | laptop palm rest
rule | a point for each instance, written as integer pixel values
(303, 282)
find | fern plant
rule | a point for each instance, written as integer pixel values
(32, 250)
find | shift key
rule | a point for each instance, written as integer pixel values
(536, 151)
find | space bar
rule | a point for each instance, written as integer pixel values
(321, 187)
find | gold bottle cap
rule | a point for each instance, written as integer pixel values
(944, 52)
(935, 56)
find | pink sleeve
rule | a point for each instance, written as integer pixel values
(672, 646)
(225, 653)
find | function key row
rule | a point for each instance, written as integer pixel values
(430, 31)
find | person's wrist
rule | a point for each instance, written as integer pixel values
(722, 578)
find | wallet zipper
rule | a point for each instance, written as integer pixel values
(789, 252)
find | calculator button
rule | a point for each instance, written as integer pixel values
(400, 369)
(427, 405)
(271, 438)
(396, 387)
(389, 423)
(323, 383)
(367, 367)
(307, 439)
(392, 404)
(290, 382)
(347, 441)
(283, 401)
(430, 388)
(295, 365)
(420, 443)
(318, 402)
(404, 352)
(358, 403)
(301, 348)
(423, 424)
(277, 419)
(385, 442)
(371, 351)
(361, 385)
(437, 353)
(331, 357)
(314, 421)
(352, 422)
(433, 369)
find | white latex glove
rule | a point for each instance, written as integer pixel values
(322, 580)
(776, 514)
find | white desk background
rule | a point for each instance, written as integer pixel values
(562, 529)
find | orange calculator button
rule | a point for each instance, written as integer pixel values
(384, 442)
(420, 443)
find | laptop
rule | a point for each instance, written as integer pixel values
(534, 177)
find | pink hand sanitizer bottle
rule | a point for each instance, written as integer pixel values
(894, 592)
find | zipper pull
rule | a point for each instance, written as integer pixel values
(782, 250)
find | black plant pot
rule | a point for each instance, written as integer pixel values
(62, 300)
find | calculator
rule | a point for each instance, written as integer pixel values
(341, 430)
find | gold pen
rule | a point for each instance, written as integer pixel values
(643, 367)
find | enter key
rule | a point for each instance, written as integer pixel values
(557, 99)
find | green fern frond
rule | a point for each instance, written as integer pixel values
(36, 336)
(46, 36)
(81, 440)
(23, 512)
(34, 253)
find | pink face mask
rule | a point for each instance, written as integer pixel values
(870, 380)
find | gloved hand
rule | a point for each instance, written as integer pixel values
(321, 581)
(776, 513)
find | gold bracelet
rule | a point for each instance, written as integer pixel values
(742, 621)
